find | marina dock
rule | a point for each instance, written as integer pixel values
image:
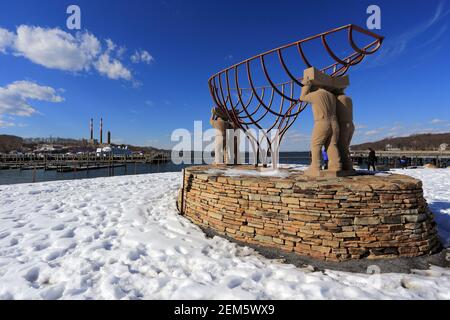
(67, 163)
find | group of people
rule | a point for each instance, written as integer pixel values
(371, 160)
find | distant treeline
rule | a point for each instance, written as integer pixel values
(10, 143)
(426, 142)
(55, 140)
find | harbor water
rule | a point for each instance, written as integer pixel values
(13, 176)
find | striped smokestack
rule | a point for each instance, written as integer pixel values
(101, 130)
(92, 129)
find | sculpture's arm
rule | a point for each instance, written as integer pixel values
(213, 117)
(306, 92)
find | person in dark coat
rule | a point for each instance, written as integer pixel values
(372, 159)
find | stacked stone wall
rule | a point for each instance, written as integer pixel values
(332, 218)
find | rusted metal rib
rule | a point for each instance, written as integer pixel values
(302, 54)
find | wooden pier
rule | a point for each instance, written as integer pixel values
(85, 168)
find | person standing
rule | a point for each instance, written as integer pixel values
(372, 159)
(324, 159)
(403, 162)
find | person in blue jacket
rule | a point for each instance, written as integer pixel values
(324, 159)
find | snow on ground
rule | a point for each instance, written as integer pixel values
(121, 238)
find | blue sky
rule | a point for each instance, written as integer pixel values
(143, 65)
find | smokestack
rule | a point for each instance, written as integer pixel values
(101, 130)
(92, 129)
(109, 137)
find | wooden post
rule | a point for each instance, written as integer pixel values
(109, 164)
(112, 164)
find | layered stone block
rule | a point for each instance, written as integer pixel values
(321, 79)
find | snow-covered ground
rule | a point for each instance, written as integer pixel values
(121, 238)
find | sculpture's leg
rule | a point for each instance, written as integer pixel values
(275, 150)
(219, 143)
(333, 150)
(225, 153)
(320, 134)
(231, 148)
(345, 137)
(342, 143)
(236, 147)
(350, 137)
(351, 131)
(218, 147)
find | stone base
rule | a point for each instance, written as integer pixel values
(335, 219)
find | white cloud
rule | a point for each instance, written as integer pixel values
(396, 128)
(296, 136)
(5, 124)
(295, 140)
(57, 49)
(120, 52)
(14, 98)
(112, 68)
(437, 121)
(54, 48)
(135, 57)
(110, 45)
(372, 132)
(6, 39)
(142, 56)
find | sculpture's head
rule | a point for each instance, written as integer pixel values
(217, 113)
(339, 91)
(318, 80)
(313, 85)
